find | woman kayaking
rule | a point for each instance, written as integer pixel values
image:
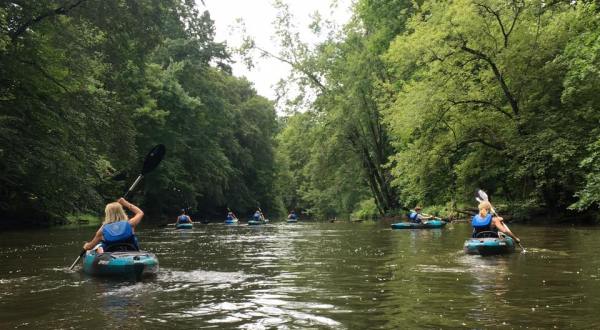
(484, 221)
(183, 218)
(117, 228)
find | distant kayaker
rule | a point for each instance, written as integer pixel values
(231, 216)
(292, 215)
(183, 218)
(484, 221)
(258, 216)
(417, 217)
(117, 228)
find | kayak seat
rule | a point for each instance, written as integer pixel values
(486, 234)
(120, 247)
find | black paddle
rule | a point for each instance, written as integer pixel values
(481, 196)
(151, 161)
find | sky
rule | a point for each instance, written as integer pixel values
(258, 17)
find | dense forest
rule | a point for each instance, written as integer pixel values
(87, 87)
(422, 102)
(411, 102)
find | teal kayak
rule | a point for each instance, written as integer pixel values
(185, 225)
(120, 264)
(292, 220)
(425, 225)
(253, 222)
(489, 245)
(231, 222)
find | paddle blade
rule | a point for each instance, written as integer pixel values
(153, 158)
(482, 195)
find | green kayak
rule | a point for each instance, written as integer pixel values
(185, 225)
(135, 264)
(489, 245)
(431, 224)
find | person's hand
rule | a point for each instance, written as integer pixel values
(122, 201)
(86, 246)
(517, 240)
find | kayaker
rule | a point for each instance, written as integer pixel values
(183, 218)
(292, 215)
(485, 221)
(258, 216)
(117, 228)
(231, 216)
(417, 217)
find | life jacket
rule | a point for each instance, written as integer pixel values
(229, 217)
(183, 219)
(414, 217)
(256, 216)
(117, 233)
(482, 224)
(293, 216)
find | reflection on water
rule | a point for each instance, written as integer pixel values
(307, 275)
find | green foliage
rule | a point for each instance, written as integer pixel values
(88, 87)
(366, 209)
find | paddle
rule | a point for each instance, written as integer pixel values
(151, 161)
(481, 196)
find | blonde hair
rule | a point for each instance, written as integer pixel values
(114, 212)
(485, 205)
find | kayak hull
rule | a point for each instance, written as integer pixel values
(256, 223)
(136, 264)
(231, 222)
(292, 220)
(489, 245)
(432, 224)
(184, 226)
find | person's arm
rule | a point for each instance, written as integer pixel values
(138, 213)
(97, 239)
(190, 219)
(498, 223)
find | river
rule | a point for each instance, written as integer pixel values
(307, 275)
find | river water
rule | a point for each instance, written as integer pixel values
(307, 275)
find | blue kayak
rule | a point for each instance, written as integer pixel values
(185, 225)
(253, 222)
(489, 245)
(431, 224)
(120, 264)
(231, 222)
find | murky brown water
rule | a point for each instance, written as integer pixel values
(307, 275)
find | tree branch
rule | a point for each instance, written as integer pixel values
(55, 12)
(513, 102)
(482, 102)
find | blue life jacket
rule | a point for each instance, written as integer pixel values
(183, 219)
(414, 217)
(256, 216)
(119, 232)
(482, 224)
(229, 217)
(293, 216)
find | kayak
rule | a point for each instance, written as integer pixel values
(185, 225)
(425, 225)
(489, 245)
(120, 264)
(292, 220)
(253, 222)
(231, 222)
